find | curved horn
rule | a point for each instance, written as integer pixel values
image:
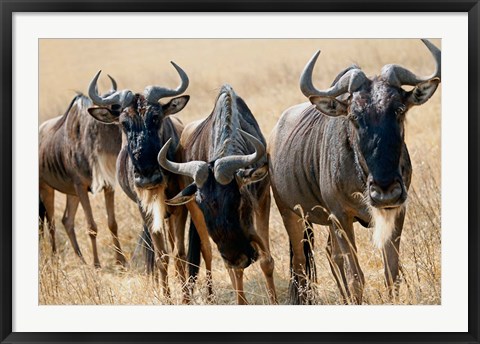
(349, 82)
(122, 98)
(114, 83)
(225, 168)
(198, 170)
(154, 93)
(397, 75)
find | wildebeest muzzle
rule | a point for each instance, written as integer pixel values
(386, 194)
(239, 260)
(149, 179)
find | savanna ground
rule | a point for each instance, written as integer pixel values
(265, 74)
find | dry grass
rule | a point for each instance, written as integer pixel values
(265, 73)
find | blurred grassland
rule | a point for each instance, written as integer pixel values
(265, 74)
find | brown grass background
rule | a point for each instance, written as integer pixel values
(265, 73)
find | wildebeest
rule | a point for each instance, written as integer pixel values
(76, 155)
(225, 157)
(344, 159)
(146, 125)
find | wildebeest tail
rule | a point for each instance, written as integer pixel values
(308, 245)
(310, 269)
(193, 251)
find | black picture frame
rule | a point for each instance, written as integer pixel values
(8, 7)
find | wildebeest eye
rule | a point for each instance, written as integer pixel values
(156, 118)
(400, 112)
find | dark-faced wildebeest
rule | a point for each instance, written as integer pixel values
(77, 154)
(344, 159)
(146, 125)
(225, 157)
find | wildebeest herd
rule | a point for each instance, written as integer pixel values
(338, 159)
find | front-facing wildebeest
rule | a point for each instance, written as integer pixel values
(147, 125)
(225, 157)
(344, 159)
(77, 154)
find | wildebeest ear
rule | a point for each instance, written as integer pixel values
(104, 114)
(422, 92)
(251, 175)
(185, 196)
(175, 105)
(329, 106)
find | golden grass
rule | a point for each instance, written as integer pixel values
(265, 73)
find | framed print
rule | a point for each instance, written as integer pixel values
(254, 168)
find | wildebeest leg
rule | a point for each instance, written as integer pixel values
(391, 253)
(206, 248)
(342, 231)
(161, 253)
(146, 243)
(231, 275)
(112, 224)
(42, 212)
(335, 259)
(236, 277)
(241, 299)
(266, 261)
(47, 195)
(207, 257)
(92, 226)
(177, 226)
(68, 221)
(159, 243)
(298, 285)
